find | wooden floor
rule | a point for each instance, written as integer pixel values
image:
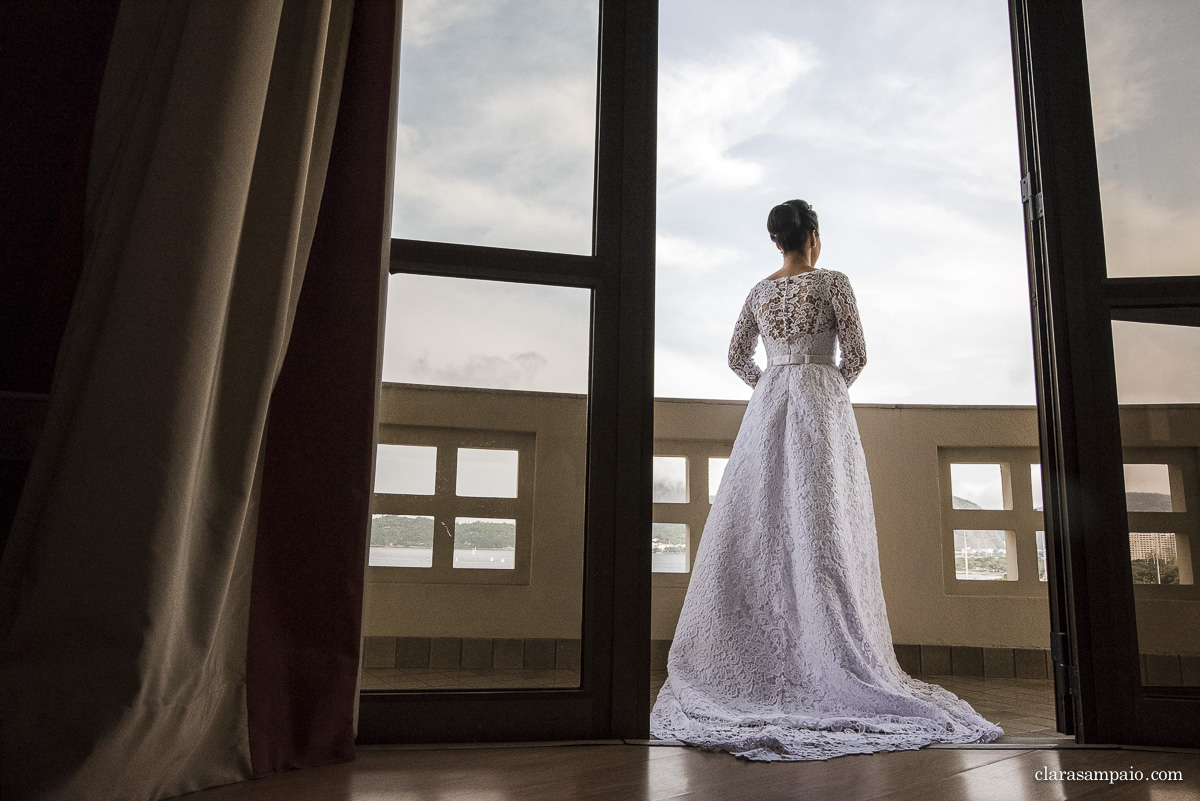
(633, 772)
(1022, 707)
(621, 770)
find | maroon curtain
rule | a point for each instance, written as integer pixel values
(314, 513)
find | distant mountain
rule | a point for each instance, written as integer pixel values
(985, 538)
(402, 530)
(982, 538)
(416, 531)
(1134, 502)
(1148, 502)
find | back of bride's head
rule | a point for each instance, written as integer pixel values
(790, 224)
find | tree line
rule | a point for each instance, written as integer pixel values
(404, 531)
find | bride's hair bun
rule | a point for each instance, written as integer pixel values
(790, 223)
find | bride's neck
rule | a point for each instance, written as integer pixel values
(797, 260)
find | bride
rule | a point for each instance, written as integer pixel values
(783, 649)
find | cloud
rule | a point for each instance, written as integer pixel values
(682, 258)
(441, 206)
(1145, 237)
(700, 290)
(512, 176)
(516, 172)
(1143, 356)
(518, 371)
(496, 138)
(497, 334)
(557, 112)
(903, 136)
(424, 21)
(956, 128)
(1119, 71)
(905, 140)
(705, 109)
(945, 312)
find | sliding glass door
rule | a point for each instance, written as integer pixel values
(509, 578)
(1110, 112)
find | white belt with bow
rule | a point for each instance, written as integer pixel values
(801, 358)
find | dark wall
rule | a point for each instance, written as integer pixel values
(52, 61)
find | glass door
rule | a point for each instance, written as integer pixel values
(508, 581)
(1109, 113)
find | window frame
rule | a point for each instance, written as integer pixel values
(611, 699)
(1181, 462)
(1021, 522)
(445, 504)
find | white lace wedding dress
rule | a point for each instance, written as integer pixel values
(783, 650)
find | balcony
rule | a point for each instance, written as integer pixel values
(960, 612)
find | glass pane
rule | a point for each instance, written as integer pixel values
(1142, 65)
(1155, 558)
(977, 486)
(1148, 488)
(1041, 554)
(670, 544)
(487, 473)
(1158, 393)
(477, 579)
(670, 479)
(982, 556)
(405, 469)
(460, 332)
(716, 470)
(1035, 481)
(497, 124)
(401, 541)
(896, 122)
(485, 542)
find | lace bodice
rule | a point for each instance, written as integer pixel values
(804, 313)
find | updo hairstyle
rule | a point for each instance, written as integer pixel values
(790, 223)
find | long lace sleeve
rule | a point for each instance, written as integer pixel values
(741, 347)
(849, 329)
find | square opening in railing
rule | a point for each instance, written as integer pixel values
(979, 486)
(670, 479)
(1148, 489)
(487, 543)
(405, 469)
(716, 470)
(401, 541)
(670, 548)
(1035, 483)
(1155, 558)
(981, 555)
(1041, 554)
(486, 473)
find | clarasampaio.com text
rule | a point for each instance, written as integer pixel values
(1046, 774)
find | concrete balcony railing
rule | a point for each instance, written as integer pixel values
(939, 622)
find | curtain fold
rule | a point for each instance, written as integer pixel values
(126, 585)
(314, 523)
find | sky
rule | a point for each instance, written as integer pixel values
(1144, 69)
(896, 120)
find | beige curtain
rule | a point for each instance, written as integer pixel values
(124, 590)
